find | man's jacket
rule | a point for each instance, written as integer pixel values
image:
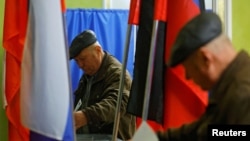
(99, 94)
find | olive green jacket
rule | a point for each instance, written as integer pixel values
(100, 106)
(229, 103)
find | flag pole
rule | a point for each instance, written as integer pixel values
(119, 98)
(150, 71)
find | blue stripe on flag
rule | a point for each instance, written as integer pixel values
(68, 136)
(38, 137)
(68, 133)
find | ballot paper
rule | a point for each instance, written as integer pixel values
(79, 104)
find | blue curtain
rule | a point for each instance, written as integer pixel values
(110, 27)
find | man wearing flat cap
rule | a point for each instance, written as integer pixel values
(97, 92)
(210, 60)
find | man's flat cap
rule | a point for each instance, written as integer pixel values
(197, 32)
(81, 41)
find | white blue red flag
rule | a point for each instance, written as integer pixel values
(46, 103)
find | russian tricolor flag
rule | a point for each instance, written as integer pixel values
(46, 103)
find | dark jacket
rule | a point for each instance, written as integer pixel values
(103, 93)
(229, 103)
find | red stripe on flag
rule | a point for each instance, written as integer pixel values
(134, 12)
(184, 101)
(160, 10)
(179, 13)
(63, 6)
(15, 22)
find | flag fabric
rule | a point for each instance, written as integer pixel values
(143, 41)
(134, 12)
(156, 102)
(184, 101)
(160, 10)
(46, 103)
(14, 31)
(173, 100)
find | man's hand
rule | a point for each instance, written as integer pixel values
(80, 119)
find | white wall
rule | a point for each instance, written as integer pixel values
(120, 4)
(116, 4)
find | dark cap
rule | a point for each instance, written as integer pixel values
(81, 41)
(197, 32)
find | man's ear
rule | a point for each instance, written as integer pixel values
(206, 57)
(98, 48)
